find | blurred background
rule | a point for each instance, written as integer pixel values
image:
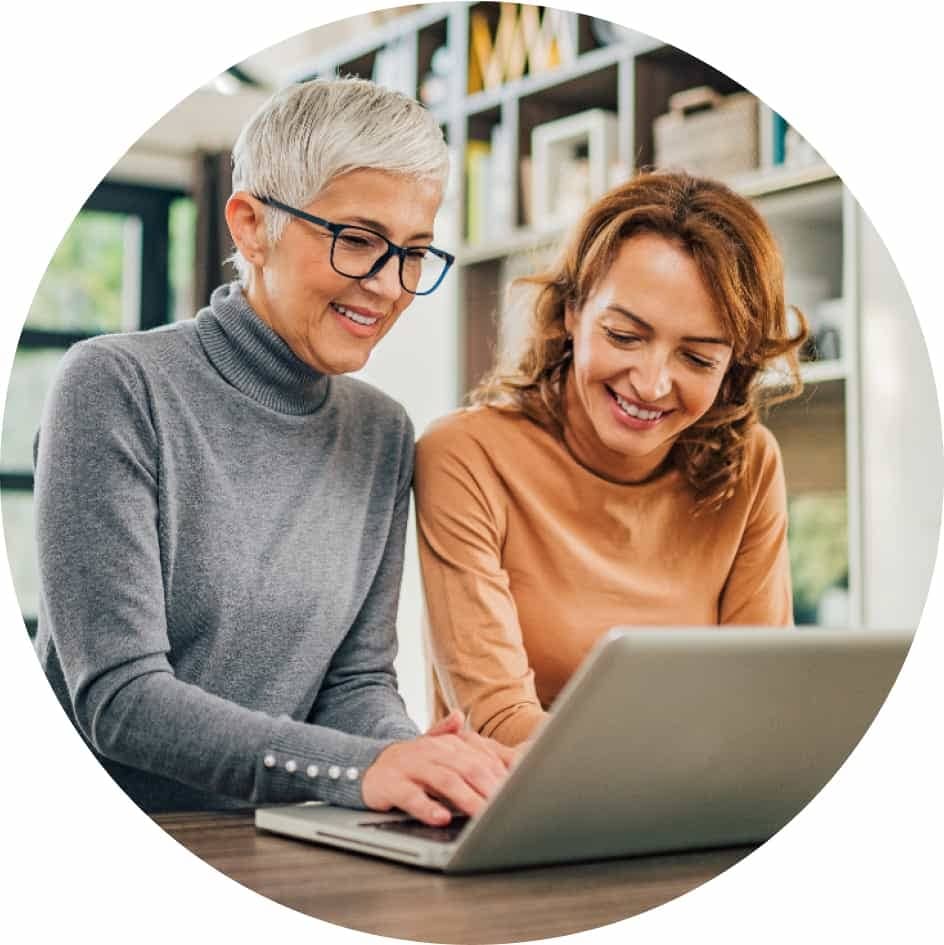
(543, 110)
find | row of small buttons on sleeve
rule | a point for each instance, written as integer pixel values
(291, 766)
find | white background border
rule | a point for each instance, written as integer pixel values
(82, 81)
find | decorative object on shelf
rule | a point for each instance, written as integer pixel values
(708, 133)
(779, 138)
(509, 55)
(828, 325)
(572, 159)
(530, 20)
(525, 190)
(480, 50)
(807, 292)
(554, 43)
(524, 41)
(434, 88)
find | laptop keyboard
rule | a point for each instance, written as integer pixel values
(416, 828)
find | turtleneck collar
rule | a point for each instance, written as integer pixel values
(253, 358)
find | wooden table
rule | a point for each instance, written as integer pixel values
(401, 901)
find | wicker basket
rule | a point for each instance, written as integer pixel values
(708, 133)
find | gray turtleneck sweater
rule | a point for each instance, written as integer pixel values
(220, 534)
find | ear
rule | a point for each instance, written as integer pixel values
(570, 319)
(245, 217)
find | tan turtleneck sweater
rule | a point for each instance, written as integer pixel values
(528, 558)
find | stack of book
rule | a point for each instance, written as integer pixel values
(490, 186)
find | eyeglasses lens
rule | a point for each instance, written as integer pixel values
(356, 251)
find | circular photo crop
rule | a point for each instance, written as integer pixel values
(471, 473)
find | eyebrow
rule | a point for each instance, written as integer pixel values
(697, 339)
(380, 228)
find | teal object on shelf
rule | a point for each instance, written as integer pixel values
(780, 137)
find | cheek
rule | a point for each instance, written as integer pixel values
(404, 302)
(594, 362)
(703, 394)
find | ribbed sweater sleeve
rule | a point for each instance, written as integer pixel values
(359, 693)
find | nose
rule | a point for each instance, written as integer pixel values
(650, 376)
(385, 282)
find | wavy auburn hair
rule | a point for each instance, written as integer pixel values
(742, 269)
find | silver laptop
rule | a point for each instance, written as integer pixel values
(664, 740)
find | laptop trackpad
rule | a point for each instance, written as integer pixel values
(416, 828)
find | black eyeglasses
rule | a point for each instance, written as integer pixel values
(359, 253)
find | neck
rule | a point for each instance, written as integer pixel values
(254, 358)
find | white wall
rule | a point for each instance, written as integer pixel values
(902, 466)
(418, 364)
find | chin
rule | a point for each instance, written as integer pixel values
(352, 366)
(347, 362)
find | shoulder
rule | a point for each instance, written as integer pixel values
(762, 450)
(763, 472)
(125, 355)
(104, 381)
(490, 429)
(374, 409)
(106, 384)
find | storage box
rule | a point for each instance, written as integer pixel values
(707, 133)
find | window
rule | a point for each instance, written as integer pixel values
(819, 558)
(125, 263)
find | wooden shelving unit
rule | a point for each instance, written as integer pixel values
(816, 220)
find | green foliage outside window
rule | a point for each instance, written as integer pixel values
(82, 288)
(819, 549)
(183, 228)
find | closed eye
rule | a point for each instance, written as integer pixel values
(620, 337)
(356, 240)
(705, 364)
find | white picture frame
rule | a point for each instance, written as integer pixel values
(562, 187)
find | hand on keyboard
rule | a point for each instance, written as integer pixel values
(459, 767)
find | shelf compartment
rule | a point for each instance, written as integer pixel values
(430, 39)
(534, 84)
(660, 74)
(481, 288)
(811, 431)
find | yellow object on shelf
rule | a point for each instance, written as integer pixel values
(497, 72)
(477, 158)
(480, 50)
(525, 41)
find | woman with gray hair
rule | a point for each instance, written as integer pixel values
(221, 514)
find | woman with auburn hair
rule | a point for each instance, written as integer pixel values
(617, 472)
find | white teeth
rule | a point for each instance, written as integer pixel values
(354, 316)
(635, 411)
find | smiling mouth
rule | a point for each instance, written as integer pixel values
(358, 318)
(636, 412)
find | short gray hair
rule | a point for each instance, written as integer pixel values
(312, 132)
